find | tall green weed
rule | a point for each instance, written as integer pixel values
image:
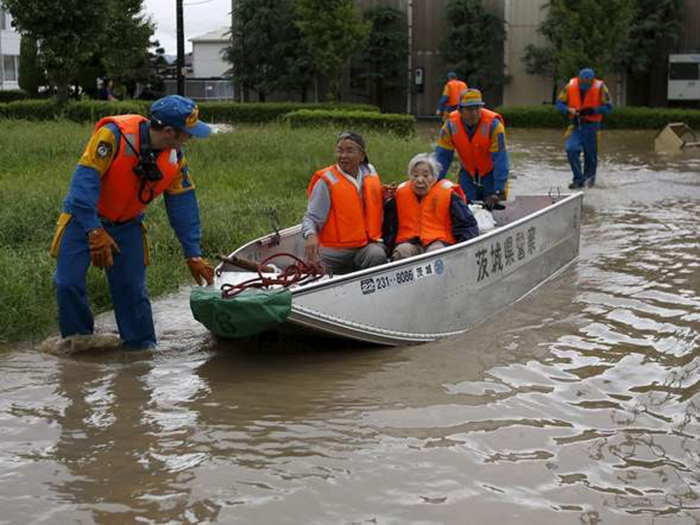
(248, 181)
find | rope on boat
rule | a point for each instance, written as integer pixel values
(299, 272)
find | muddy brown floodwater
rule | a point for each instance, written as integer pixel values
(579, 404)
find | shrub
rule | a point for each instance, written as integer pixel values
(620, 118)
(94, 110)
(31, 109)
(225, 112)
(401, 125)
(251, 112)
(13, 94)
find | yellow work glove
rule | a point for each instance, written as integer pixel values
(101, 246)
(200, 270)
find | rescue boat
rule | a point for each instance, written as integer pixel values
(420, 299)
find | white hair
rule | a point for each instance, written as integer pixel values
(425, 158)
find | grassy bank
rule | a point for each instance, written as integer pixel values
(240, 176)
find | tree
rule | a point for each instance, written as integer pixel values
(74, 36)
(333, 32)
(385, 56)
(31, 75)
(66, 31)
(655, 29)
(593, 33)
(124, 45)
(297, 70)
(255, 34)
(473, 43)
(582, 33)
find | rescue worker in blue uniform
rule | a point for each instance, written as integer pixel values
(450, 95)
(478, 136)
(127, 163)
(585, 99)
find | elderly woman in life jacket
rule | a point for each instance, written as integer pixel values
(342, 225)
(426, 214)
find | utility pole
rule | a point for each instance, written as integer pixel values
(409, 94)
(180, 49)
(2, 58)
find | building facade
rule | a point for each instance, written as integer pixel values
(425, 22)
(207, 60)
(9, 53)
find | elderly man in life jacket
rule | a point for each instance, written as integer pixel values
(585, 99)
(450, 95)
(129, 161)
(425, 214)
(479, 137)
(343, 221)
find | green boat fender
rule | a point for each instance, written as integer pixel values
(250, 312)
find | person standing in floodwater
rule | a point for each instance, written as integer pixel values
(478, 135)
(128, 162)
(450, 95)
(585, 99)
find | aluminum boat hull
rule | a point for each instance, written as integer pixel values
(437, 294)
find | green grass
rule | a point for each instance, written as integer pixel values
(240, 177)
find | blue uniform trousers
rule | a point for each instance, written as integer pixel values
(127, 284)
(477, 188)
(583, 138)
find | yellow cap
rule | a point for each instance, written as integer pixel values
(470, 97)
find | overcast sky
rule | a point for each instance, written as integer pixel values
(200, 16)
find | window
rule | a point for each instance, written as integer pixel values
(2, 19)
(684, 71)
(9, 65)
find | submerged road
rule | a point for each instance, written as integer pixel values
(578, 404)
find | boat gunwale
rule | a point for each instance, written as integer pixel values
(348, 277)
(342, 279)
(309, 318)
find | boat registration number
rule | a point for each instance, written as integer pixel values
(400, 277)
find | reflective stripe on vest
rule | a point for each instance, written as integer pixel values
(119, 188)
(454, 88)
(593, 98)
(430, 218)
(475, 153)
(351, 223)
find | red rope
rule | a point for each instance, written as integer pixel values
(299, 272)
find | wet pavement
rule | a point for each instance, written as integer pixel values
(578, 404)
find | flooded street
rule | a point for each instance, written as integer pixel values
(579, 404)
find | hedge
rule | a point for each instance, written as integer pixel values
(340, 114)
(252, 112)
(401, 125)
(30, 109)
(94, 110)
(620, 118)
(226, 112)
(11, 95)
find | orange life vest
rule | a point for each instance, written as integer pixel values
(591, 100)
(475, 153)
(119, 191)
(430, 218)
(454, 88)
(352, 222)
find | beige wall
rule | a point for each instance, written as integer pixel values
(427, 32)
(522, 18)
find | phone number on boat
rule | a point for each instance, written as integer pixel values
(401, 277)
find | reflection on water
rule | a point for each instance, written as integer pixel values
(578, 405)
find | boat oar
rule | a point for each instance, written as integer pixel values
(245, 264)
